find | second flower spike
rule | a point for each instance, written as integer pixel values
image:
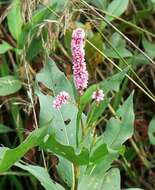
(62, 98)
(98, 95)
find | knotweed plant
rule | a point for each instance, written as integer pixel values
(77, 128)
(70, 133)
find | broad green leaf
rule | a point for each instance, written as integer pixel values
(4, 47)
(5, 129)
(111, 180)
(9, 85)
(118, 131)
(121, 51)
(34, 48)
(119, 44)
(101, 180)
(14, 18)
(116, 8)
(10, 156)
(117, 40)
(65, 171)
(63, 120)
(151, 131)
(137, 60)
(79, 158)
(149, 47)
(55, 80)
(42, 175)
(98, 153)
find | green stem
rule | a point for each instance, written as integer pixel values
(76, 177)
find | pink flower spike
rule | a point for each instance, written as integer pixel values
(98, 95)
(61, 98)
(78, 57)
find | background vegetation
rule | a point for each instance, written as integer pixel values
(35, 38)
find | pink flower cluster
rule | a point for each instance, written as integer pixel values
(78, 57)
(98, 95)
(61, 98)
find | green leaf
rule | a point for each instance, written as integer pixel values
(149, 47)
(5, 129)
(63, 120)
(34, 48)
(9, 85)
(119, 44)
(42, 175)
(101, 181)
(118, 131)
(99, 153)
(137, 60)
(79, 158)
(112, 180)
(4, 47)
(151, 131)
(14, 18)
(54, 79)
(65, 171)
(122, 53)
(10, 156)
(116, 8)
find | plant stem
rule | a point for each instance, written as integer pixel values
(76, 177)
